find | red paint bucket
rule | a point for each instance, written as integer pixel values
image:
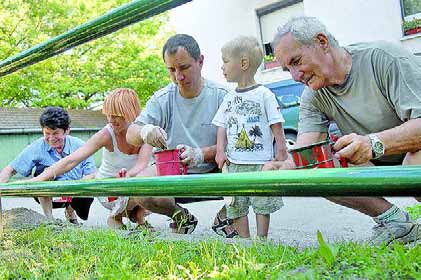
(316, 155)
(63, 199)
(168, 163)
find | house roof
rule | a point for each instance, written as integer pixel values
(28, 119)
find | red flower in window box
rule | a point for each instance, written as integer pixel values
(412, 26)
(271, 64)
(413, 31)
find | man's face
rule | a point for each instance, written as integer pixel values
(184, 70)
(231, 67)
(308, 64)
(55, 137)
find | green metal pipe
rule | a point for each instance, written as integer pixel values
(114, 20)
(364, 181)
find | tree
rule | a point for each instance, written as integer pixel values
(255, 132)
(80, 77)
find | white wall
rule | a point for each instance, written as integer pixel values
(213, 22)
(358, 20)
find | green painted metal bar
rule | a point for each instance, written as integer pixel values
(367, 181)
(115, 19)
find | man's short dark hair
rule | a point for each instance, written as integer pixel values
(181, 40)
(54, 117)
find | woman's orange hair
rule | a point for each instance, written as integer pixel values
(122, 102)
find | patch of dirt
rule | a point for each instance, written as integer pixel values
(22, 218)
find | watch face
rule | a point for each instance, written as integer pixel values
(378, 148)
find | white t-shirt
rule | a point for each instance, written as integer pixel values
(247, 117)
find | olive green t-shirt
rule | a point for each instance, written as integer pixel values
(382, 91)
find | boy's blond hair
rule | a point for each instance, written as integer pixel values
(245, 46)
(122, 102)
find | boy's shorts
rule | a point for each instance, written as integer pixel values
(263, 205)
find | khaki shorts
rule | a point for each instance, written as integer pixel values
(263, 205)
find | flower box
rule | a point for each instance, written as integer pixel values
(271, 64)
(413, 31)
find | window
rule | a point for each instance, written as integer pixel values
(272, 16)
(411, 13)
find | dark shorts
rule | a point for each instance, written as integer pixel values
(80, 204)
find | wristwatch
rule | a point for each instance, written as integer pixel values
(377, 146)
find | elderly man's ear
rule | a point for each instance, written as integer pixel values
(322, 41)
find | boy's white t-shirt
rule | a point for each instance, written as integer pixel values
(247, 116)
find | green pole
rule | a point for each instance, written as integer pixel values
(364, 181)
(114, 20)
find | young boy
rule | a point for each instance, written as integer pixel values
(248, 120)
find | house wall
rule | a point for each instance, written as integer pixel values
(13, 144)
(213, 22)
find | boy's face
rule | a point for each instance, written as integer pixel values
(231, 67)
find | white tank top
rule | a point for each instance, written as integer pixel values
(112, 162)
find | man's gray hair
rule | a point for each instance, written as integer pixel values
(304, 30)
(184, 41)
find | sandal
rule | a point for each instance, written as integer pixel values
(224, 227)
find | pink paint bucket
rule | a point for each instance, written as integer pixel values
(168, 163)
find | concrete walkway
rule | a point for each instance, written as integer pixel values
(295, 224)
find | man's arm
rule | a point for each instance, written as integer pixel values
(137, 135)
(133, 135)
(6, 173)
(398, 140)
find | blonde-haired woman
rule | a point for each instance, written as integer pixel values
(121, 107)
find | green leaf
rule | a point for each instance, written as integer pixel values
(326, 251)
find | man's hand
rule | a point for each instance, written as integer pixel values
(154, 136)
(221, 159)
(190, 156)
(355, 148)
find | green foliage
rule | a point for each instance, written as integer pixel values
(327, 252)
(411, 7)
(414, 211)
(78, 78)
(412, 24)
(46, 253)
(268, 57)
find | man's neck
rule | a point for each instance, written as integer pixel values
(194, 92)
(343, 64)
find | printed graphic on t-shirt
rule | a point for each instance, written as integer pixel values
(244, 125)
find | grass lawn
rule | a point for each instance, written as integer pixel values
(72, 253)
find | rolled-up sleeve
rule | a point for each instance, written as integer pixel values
(26, 160)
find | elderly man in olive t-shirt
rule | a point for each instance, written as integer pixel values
(373, 93)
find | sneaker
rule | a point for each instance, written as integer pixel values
(186, 225)
(396, 231)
